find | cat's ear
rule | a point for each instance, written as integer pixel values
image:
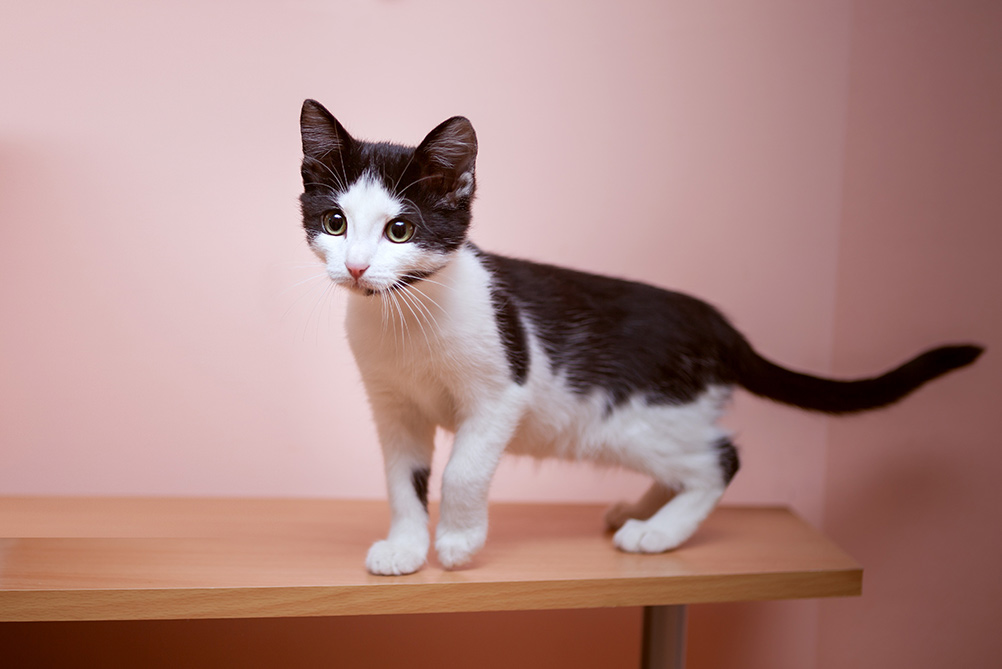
(322, 134)
(447, 157)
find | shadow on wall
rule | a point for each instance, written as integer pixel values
(897, 497)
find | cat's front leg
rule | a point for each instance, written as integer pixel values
(405, 548)
(480, 441)
(407, 442)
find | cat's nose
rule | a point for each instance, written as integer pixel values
(356, 271)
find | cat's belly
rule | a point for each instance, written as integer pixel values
(563, 425)
(568, 425)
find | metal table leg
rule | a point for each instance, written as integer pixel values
(664, 637)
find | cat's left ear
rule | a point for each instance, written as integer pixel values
(447, 157)
(322, 134)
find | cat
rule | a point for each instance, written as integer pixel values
(520, 357)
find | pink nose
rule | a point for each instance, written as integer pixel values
(356, 271)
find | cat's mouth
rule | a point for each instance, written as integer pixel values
(362, 287)
(366, 287)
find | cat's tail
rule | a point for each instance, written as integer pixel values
(767, 379)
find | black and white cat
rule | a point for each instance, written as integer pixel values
(514, 356)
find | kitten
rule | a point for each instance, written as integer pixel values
(515, 356)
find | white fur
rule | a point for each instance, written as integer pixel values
(431, 355)
(368, 207)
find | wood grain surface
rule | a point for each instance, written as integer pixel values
(130, 559)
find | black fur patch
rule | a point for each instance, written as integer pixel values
(512, 334)
(509, 321)
(624, 337)
(411, 278)
(419, 478)
(727, 454)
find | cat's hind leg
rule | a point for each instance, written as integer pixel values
(671, 525)
(700, 481)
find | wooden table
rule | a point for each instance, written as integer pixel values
(154, 559)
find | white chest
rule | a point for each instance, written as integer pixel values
(434, 344)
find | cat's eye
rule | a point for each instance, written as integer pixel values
(399, 230)
(334, 222)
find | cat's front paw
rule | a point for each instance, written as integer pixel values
(641, 536)
(456, 548)
(395, 558)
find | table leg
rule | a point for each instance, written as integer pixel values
(664, 637)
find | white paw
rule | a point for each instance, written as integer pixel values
(394, 558)
(641, 536)
(457, 548)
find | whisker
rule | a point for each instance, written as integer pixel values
(424, 314)
(334, 174)
(419, 279)
(408, 301)
(340, 155)
(414, 183)
(309, 318)
(330, 301)
(389, 318)
(416, 209)
(305, 265)
(406, 167)
(301, 282)
(400, 316)
(303, 296)
(425, 295)
(322, 185)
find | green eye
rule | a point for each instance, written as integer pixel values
(334, 222)
(399, 230)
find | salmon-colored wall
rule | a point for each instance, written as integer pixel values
(164, 330)
(913, 493)
(165, 327)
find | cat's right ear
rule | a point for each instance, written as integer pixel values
(322, 134)
(447, 158)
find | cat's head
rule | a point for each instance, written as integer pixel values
(380, 215)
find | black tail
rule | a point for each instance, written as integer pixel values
(764, 378)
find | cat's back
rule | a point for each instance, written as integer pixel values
(621, 337)
(554, 292)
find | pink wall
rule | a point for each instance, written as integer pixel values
(164, 331)
(157, 337)
(913, 493)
